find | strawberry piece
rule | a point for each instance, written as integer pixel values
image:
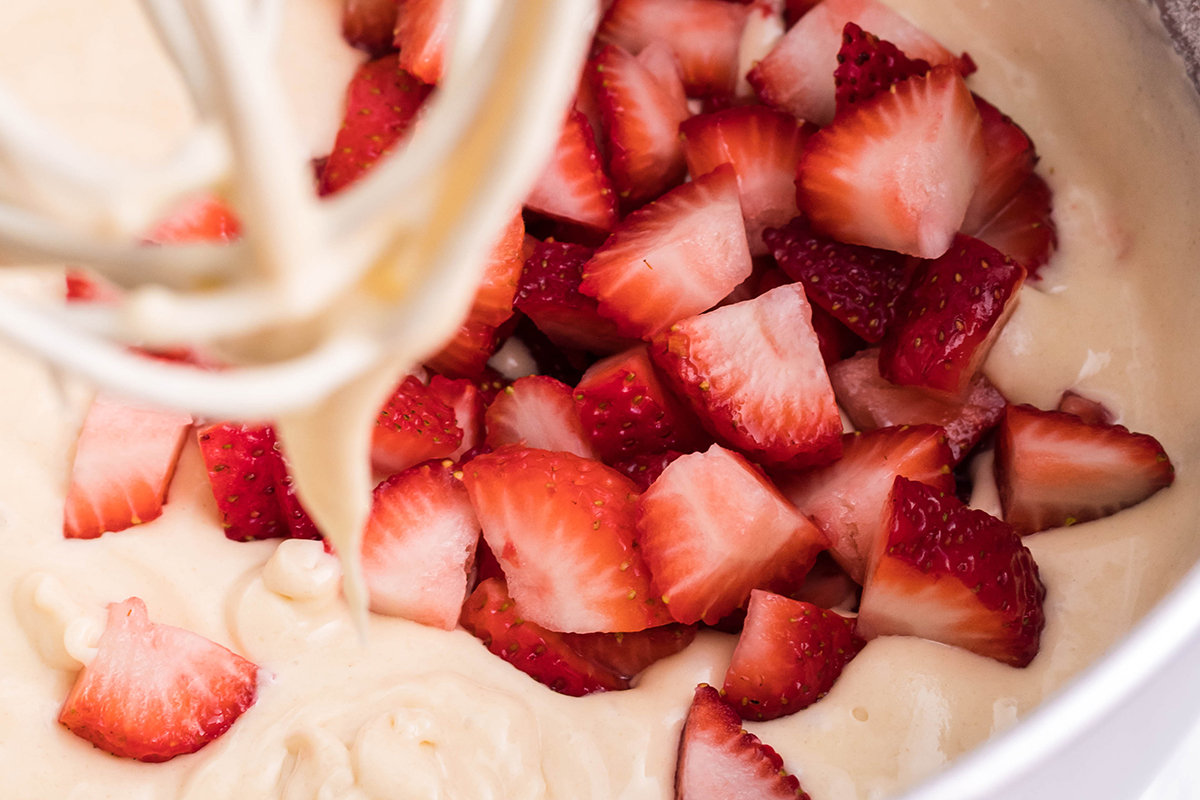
(763, 30)
(84, 286)
(764, 147)
(549, 295)
(486, 564)
(753, 372)
(671, 259)
(712, 528)
(644, 469)
(1090, 411)
(201, 219)
(1024, 229)
(466, 355)
(413, 426)
(867, 66)
(835, 339)
(1010, 160)
(718, 760)
(562, 528)
(827, 585)
(251, 485)
(422, 27)
(490, 384)
(381, 103)
(795, 9)
(629, 654)
(153, 692)
(859, 286)
(627, 412)
(539, 412)
(899, 171)
(954, 309)
(872, 402)
(369, 24)
(1054, 469)
(845, 499)
(574, 186)
(419, 546)
(465, 399)
(492, 617)
(788, 657)
(493, 304)
(952, 574)
(124, 460)
(703, 33)
(641, 104)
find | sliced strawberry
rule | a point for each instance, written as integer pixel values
(711, 528)
(413, 426)
(899, 171)
(84, 286)
(629, 654)
(753, 372)
(867, 66)
(788, 657)
(764, 28)
(124, 459)
(381, 103)
(465, 399)
(251, 485)
(796, 9)
(467, 354)
(574, 186)
(834, 338)
(1088, 410)
(563, 530)
(627, 412)
(644, 469)
(703, 33)
(153, 692)
(872, 402)
(674, 258)
(953, 310)
(490, 384)
(492, 617)
(718, 760)
(827, 585)
(1024, 229)
(764, 147)
(494, 298)
(369, 24)
(1054, 469)
(846, 498)
(860, 286)
(1010, 160)
(641, 104)
(419, 546)
(538, 412)
(952, 574)
(201, 219)
(422, 28)
(486, 563)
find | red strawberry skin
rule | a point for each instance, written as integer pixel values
(202, 219)
(154, 692)
(788, 657)
(413, 426)
(1054, 469)
(466, 355)
(466, 400)
(1024, 229)
(493, 304)
(537, 411)
(369, 24)
(574, 186)
(630, 654)
(1010, 160)
(868, 65)
(645, 469)
(422, 28)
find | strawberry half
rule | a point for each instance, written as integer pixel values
(124, 460)
(419, 546)
(413, 426)
(200, 219)
(539, 412)
(1010, 160)
(1024, 230)
(718, 760)
(1054, 469)
(898, 172)
(498, 288)
(562, 528)
(753, 372)
(85, 286)
(422, 27)
(466, 355)
(492, 617)
(645, 469)
(466, 400)
(153, 692)
(859, 286)
(868, 65)
(674, 258)
(629, 654)
(788, 657)
(369, 24)
(952, 574)
(574, 186)
(846, 498)
(953, 310)
(712, 529)
(764, 147)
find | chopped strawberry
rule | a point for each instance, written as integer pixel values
(498, 288)
(753, 372)
(627, 412)
(898, 171)
(703, 33)
(764, 28)
(641, 104)
(369, 25)
(84, 286)
(465, 399)
(764, 147)
(867, 66)
(413, 426)
(827, 585)
(860, 286)
(153, 692)
(952, 574)
(788, 657)
(1054, 469)
(1010, 160)
(251, 485)
(629, 654)
(492, 617)
(834, 338)
(422, 28)
(644, 469)
(796, 9)
(872, 402)
(846, 498)
(486, 563)
(201, 219)
(952, 312)
(1024, 229)
(718, 760)
(490, 384)
(538, 412)
(674, 258)
(1090, 411)
(381, 103)
(712, 528)
(419, 546)
(563, 530)
(124, 459)
(467, 354)
(574, 186)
